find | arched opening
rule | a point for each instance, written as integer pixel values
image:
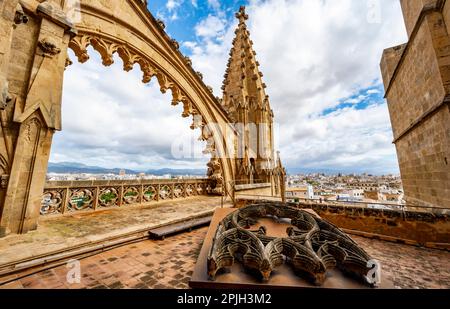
(113, 121)
(130, 32)
(123, 140)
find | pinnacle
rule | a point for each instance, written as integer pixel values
(241, 15)
(243, 80)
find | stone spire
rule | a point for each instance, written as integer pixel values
(243, 86)
(247, 104)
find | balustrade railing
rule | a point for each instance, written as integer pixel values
(62, 197)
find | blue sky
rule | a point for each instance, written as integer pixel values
(320, 60)
(181, 16)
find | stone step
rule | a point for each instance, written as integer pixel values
(161, 232)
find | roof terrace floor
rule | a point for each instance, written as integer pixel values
(169, 263)
(83, 231)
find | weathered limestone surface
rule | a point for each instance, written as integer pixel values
(417, 82)
(411, 11)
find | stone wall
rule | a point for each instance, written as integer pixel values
(410, 227)
(417, 82)
(411, 10)
(262, 189)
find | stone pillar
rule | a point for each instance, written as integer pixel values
(7, 23)
(36, 113)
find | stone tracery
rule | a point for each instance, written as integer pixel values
(312, 245)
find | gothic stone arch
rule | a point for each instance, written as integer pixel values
(34, 39)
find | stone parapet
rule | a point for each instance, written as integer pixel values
(61, 197)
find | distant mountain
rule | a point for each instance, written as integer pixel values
(79, 168)
(187, 171)
(326, 171)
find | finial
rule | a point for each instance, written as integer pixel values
(241, 15)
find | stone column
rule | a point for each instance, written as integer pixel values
(36, 115)
(8, 18)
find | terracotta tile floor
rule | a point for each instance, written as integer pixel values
(169, 263)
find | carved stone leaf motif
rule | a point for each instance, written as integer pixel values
(161, 23)
(312, 245)
(148, 70)
(175, 43)
(188, 61)
(106, 50)
(128, 58)
(69, 62)
(187, 108)
(164, 82)
(79, 46)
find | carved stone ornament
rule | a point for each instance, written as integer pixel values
(4, 181)
(161, 23)
(175, 43)
(20, 17)
(4, 96)
(311, 246)
(49, 47)
(188, 60)
(214, 174)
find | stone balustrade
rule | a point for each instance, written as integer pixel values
(62, 197)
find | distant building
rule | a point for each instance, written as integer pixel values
(302, 192)
(372, 195)
(122, 173)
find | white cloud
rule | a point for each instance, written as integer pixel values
(373, 91)
(356, 100)
(194, 3)
(210, 27)
(215, 4)
(173, 4)
(314, 55)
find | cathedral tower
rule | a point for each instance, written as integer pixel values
(245, 100)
